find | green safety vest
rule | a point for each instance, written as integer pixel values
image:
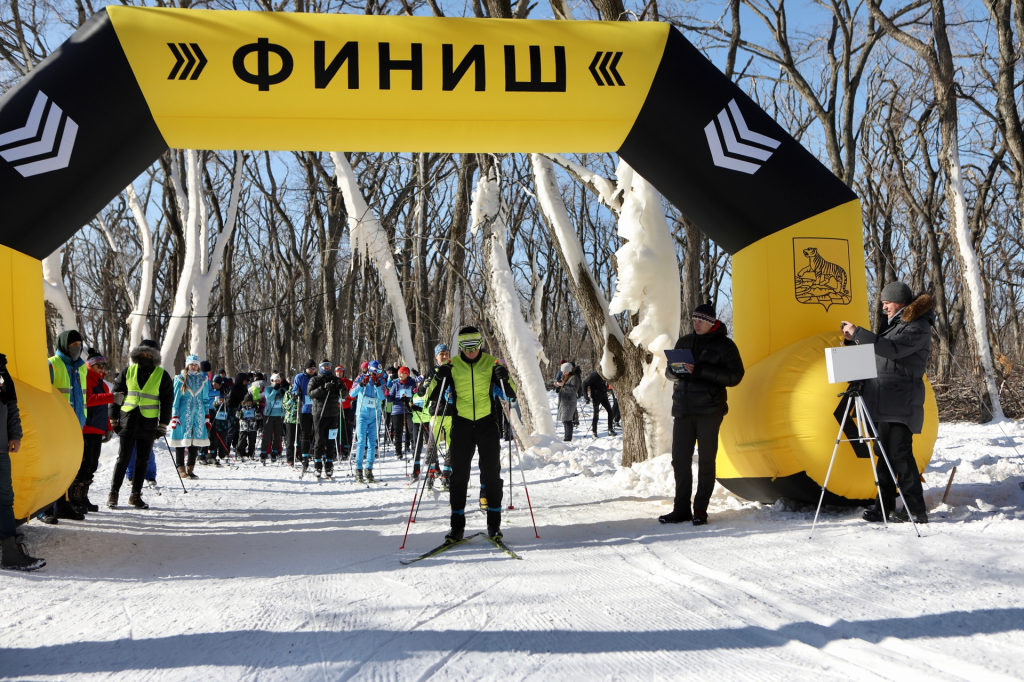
(147, 398)
(62, 380)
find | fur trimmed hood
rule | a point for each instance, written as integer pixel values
(922, 306)
(143, 353)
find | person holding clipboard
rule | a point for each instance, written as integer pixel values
(702, 365)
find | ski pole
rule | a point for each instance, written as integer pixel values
(522, 473)
(173, 464)
(437, 447)
(413, 509)
(508, 424)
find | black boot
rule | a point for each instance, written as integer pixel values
(16, 559)
(112, 499)
(76, 497)
(359, 475)
(676, 516)
(494, 524)
(89, 506)
(64, 510)
(458, 529)
(369, 475)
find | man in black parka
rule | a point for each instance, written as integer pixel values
(699, 402)
(895, 399)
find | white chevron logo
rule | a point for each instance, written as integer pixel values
(725, 133)
(47, 133)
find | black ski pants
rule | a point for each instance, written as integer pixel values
(897, 440)
(289, 442)
(700, 430)
(483, 436)
(273, 430)
(324, 447)
(306, 433)
(399, 426)
(246, 444)
(92, 444)
(602, 402)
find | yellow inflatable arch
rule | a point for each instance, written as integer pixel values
(132, 82)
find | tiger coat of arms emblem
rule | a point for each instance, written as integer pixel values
(821, 279)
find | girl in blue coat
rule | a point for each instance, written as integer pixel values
(190, 418)
(369, 389)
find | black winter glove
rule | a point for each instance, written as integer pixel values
(161, 430)
(500, 372)
(443, 373)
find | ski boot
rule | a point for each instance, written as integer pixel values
(494, 524)
(369, 475)
(359, 476)
(458, 529)
(15, 558)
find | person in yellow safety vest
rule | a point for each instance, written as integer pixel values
(141, 411)
(473, 377)
(68, 372)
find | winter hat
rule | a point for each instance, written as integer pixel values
(310, 364)
(706, 312)
(192, 360)
(326, 364)
(566, 367)
(275, 377)
(374, 366)
(897, 292)
(94, 357)
(339, 368)
(403, 369)
(66, 338)
(205, 366)
(365, 366)
(440, 348)
(150, 343)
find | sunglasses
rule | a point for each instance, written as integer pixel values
(470, 341)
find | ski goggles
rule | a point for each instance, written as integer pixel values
(471, 341)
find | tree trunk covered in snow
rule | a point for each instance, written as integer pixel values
(938, 56)
(56, 294)
(519, 344)
(369, 239)
(210, 265)
(621, 360)
(648, 287)
(138, 320)
(193, 212)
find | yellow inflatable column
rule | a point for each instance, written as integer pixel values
(790, 292)
(51, 449)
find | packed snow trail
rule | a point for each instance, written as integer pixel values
(256, 574)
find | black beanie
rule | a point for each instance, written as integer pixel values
(205, 366)
(150, 343)
(706, 312)
(311, 364)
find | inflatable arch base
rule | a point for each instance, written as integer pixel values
(51, 447)
(777, 440)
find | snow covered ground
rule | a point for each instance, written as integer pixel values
(255, 574)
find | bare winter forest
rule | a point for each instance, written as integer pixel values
(258, 260)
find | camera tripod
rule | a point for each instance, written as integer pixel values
(867, 434)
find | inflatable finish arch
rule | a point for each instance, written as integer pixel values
(132, 82)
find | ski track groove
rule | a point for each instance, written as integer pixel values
(851, 648)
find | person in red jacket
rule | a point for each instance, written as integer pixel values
(348, 414)
(95, 431)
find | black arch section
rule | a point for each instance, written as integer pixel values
(91, 80)
(667, 146)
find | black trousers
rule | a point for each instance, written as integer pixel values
(306, 433)
(602, 402)
(93, 442)
(482, 436)
(348, 426)
(399, 426)
(273, 430)
(219, 438)
(289, 442)
(897, 440)
(246, 444)
(700, 430)
(179, 456)
(143, 445)
(324, 447)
